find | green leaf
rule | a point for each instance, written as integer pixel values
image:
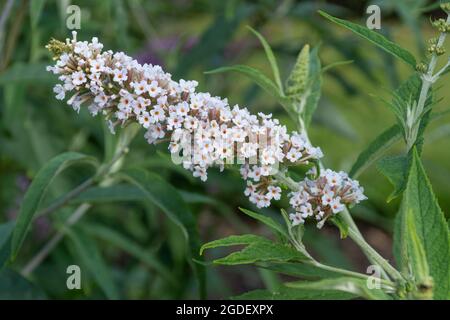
(92, 259)
(255, 75)
(15, 287)
(258, 249)
(417, 259)
(419, 204)
(231, 241)
(37, 190)
(375, 38)
(36, 7)
(285, 293)
(268, 221)
(271, 57)
(336, 64)
(129, 246)
(375, 150)
(6, 230)
(341, 224)
(395, 169)
(167, 198)
(350, 285)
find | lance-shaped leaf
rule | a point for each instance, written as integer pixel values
(37, 190)
(6, 230)
(131, 247)
(91, 257)
(395, 169)
(270, 56)
(375, 150)
(258, 249)
(375, 38)
(268, 221)
(255, 75)
(420, 204)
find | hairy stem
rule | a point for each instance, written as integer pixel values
(427, 81)
(390, 285)
(374, 255)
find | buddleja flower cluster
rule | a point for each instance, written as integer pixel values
(204, 129)
(325, 196)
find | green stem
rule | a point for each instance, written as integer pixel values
(427, 80)
(349, 273)
(374, 255)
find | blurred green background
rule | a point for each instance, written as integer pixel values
(189, 37)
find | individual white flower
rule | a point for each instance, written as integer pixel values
(327, 198)
(78, 78)
(239, 135)
(140, 87)
(250, 189)
(336, 205)
(60, 92)
(306, 210)
(174, 122)
(140, 105)
(296, 218)
(293, 155)
(158, 114)
(190, 123)
(200, 172)
(154, 133)
(154, 89)
(97, 65)
(188, 86)
(249, 150)
(255, 173)
(262, 201)
(182, 109)
(101, 99)
(144, 119)
(273, 192)
(120, 75)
